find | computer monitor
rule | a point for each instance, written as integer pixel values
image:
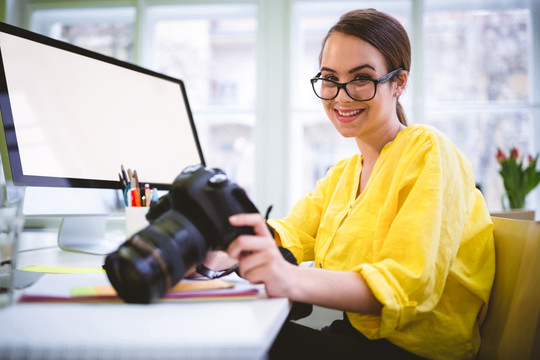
(70, 119)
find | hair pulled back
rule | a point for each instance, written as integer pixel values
(384, 33)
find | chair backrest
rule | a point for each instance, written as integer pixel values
(511, 328)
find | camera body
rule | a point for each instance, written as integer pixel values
(192, 219)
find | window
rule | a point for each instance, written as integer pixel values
(477, 83)
(109, 31)
(212, 48)
(477, 56)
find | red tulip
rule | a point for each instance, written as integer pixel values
(514, 153)
(500, 156)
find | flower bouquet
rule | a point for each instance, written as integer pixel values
(518, 179)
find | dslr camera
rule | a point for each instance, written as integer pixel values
(185, 224)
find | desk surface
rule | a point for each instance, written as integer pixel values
(215, 329)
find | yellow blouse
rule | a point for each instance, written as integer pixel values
(420, 234)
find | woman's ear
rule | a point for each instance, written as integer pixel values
(401, 81)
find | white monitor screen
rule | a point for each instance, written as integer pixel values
(72, 117)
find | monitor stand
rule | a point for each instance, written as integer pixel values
(88, 234)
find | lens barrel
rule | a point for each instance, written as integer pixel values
(155, 259)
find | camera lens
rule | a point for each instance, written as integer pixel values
(127, 276)
(155, 259)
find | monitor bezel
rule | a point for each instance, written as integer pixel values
(10, 151)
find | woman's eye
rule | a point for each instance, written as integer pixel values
(362, 77)
(330, 77)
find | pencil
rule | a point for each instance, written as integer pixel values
(124, 175)
(147, 194)
(130, 176)
(136, 177)
(137, 196)
(122, 181)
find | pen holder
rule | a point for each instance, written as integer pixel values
(135, 219)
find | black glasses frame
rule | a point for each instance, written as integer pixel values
(343, 86)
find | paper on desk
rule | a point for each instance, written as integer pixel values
(62, 270)
(95, 287)
(183, 286)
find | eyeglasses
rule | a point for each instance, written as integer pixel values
(357, 89)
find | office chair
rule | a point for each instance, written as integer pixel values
(511, 329)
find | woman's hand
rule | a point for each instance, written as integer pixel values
(219, 260)
(260, 261)
(215, 260)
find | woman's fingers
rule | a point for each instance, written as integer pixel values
(218, 260)
(255, 259)
(254, 220)
(259, 259)
(245, 244)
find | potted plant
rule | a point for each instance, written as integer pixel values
(519, 179)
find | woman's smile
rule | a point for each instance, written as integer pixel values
(347, 115)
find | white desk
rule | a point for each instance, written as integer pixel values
(221, 329)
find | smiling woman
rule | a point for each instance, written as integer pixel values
(400, 58)
(370, 117)
(400, 236)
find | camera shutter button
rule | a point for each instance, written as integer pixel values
(218, 179)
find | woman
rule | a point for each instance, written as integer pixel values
(401, 238)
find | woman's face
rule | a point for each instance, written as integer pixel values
(344, 58)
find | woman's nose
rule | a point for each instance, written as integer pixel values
(343, 96)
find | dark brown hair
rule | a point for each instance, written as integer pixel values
(381, 31)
